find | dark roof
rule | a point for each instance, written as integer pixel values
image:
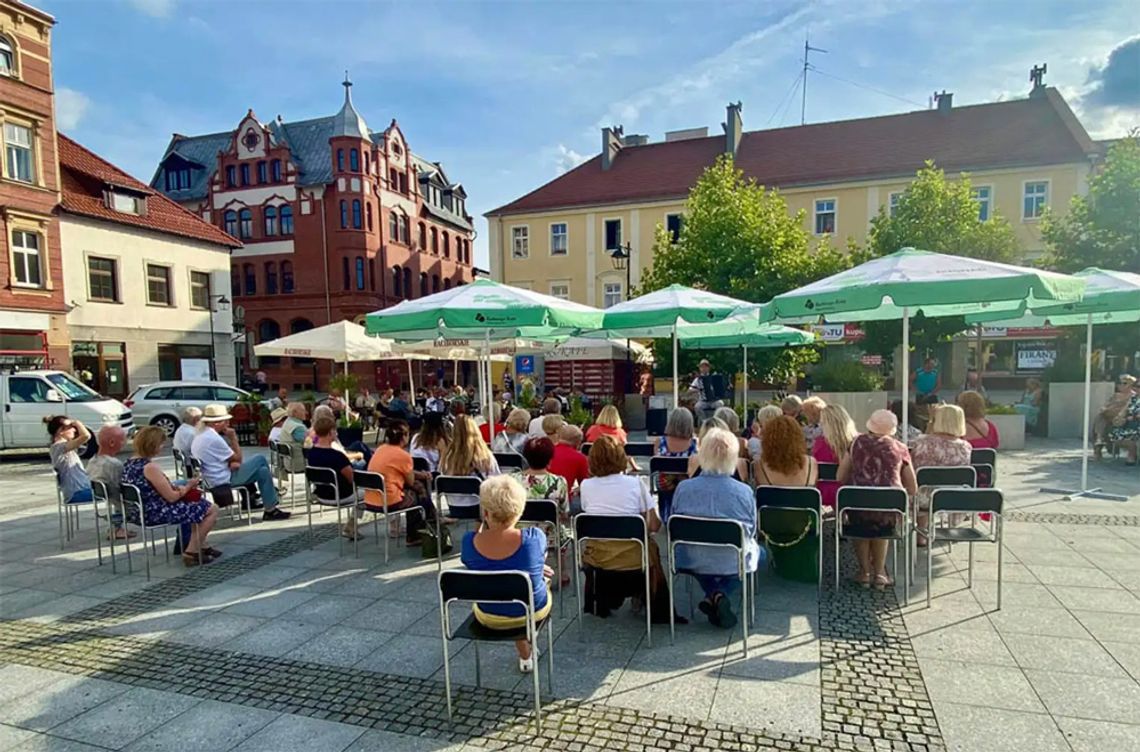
(85, 176)
(1035, 131)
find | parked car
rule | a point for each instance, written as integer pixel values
(161, 403)
(30, 396)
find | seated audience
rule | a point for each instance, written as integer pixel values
(497, 416)
(913, 424)
(184, 436)
(834, 442)
(324, 455)
(1126, 426)
(403, 486)
(678, 441)
(941, 446)
(431, 440)
(741, 473)
(107, 468)
(293, 434)
(731, 420)
(792, 406)
(515, 432)
(783, 461)
(467, 455)
(500, 545)
(358, 452)
(716, 494)
(280, 400)
(68, 436)
(541, 483)
(551, 425)
(980, 433)
(1108, 413)
(568, 461)
(763, 415)
(810, 412)
(608, 423)
(550, 406)
(1031, 402)
(216, 447)
(276, 421)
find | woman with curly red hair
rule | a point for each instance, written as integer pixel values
(783, 461)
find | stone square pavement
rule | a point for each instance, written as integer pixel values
(286, 644)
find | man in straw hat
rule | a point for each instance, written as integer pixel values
(216, 447)
(709, 390)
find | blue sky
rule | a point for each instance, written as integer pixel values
(509, 94)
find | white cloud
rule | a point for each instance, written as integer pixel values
(70, 107)
(154, 8)
(567, 159)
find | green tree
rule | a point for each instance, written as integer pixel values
(738, 239)
(1103, 228)
(933, 214)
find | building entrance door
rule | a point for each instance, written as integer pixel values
(102, 366)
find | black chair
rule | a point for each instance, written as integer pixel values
(454, 485)
(363, 479)
(643, 449)
(893, 501)
(985, 462)
(715, 533)
(507, 587)
(949, 475)
(585, 448)
(612, 527)
(802, 499)
(544, 513)
(828, 470)
(225, 495)
(318, 478)
(421, 465)
(668, 466)
(510, 460)
(971, 501)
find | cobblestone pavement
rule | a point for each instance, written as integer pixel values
(284, 642)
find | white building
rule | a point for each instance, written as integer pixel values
(141, 277)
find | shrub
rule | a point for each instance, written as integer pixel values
(845, 376)
(1001, 410)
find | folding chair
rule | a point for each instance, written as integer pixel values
(612, 527)
(65, 510)
(941, 476)
(544, 513)
(985, 462)
(892, 501)
(640, 449)
(226, 495)
(828, 470)
(458, 485)
(667, 465)
(510, 460)
(99, 491)
(965, 501)
(709, 532)
(507, 587)
(326, 478)
(132, 497)
(375, 482)
(180, 465)
(585, 448)
(421, 465)
(800, 499)
(285, 457)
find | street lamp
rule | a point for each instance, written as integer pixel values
(620, 257)
(223, 303)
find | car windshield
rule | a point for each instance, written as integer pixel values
(72, 390)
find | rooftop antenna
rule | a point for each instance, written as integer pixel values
(803, 99)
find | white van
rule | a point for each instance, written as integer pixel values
(30, 396)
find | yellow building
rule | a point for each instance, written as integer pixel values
(1023, 156)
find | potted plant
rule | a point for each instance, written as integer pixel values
(850, 384)
(1065, 381)
(579, 415)
(1010, 425)
(349, 429)
(528, 396)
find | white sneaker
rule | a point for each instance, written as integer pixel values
(526, 665)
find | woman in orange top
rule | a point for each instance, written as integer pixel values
(608, 423)
(404, 486)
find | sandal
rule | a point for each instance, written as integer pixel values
(190, 560)
(211, 552)
(862, 580)
(882, 582)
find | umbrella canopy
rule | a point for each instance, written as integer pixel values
(910, 281)
(342, 341)
(483, 309)
(584, 348)
(1110, 297)
(655, 314)
(741, 330)
(444, 348)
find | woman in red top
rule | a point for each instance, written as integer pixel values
(608, 423)
(981, 433)
(832, 445)
(485, 427)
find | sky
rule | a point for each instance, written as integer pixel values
(508, 95)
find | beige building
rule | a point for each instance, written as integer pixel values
(1023, 156)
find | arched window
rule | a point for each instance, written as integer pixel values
(354, 160)
(286, 276)
(270, 221)
(231, 223)
(344, 268)
(423, 237)
(446, 245)
(423, 284)
(357, 221)
(250, 273)
(397, 282)
(235, 280)
(286, 220)
(404, 230)
(447, 284)
(368, 214)
(267, 331)
(392, 181)
(270, 278)
(407, 282)
(434, 241)
(343, 215)
(340, 159)
(7, 57)
(245, 174)
(245, 223)
(434, 283)
(393, 228)
(371, 274)
(298, 326)
(275, 170)
(359, 272)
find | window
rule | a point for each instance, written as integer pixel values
(520, 242)
(434, 283)
(298, 326)
(893, 203)
(446, 245)
(7, 58)
(126, 203)
(612, 234)
(397, 279)
(1036, 199)
(825, 216)
(286, 276)
(200, 290)
(235, 280)
(26, 259)
(225, 394)
(270, 221)
(403, 227)
(407, 282)
(158, 285)
(447, 284)
(18, 164)
(354, 160)
(423, 284)
(245, 222)
(177, 179)
(262, 173)
(392, 181)
(366, 165)
(560, 290)
(245, 174)
(359, 273)
(403, 180)
(611, 294)
(250, 274)
(558, 239)
(231, 222)
(267, 331)
(344, 270)
(286, 220)
(270, 278)
(983, 194)
(368, 214)
(275, 170)
(28, 389)
(673, 224)
(371, 267)
(231, 179)
(423, 236)
(435, 241)
(102, 279)
(340, 159)
(357, 220)
(343, 215)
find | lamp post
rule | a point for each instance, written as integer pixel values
(620, 257)
(223, 303)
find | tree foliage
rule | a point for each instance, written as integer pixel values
(1103, 228)
(738, 239)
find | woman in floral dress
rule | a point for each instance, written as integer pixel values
(1126, 426)
(540, 483)
(943, 446)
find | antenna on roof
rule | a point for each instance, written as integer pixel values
(807, 66)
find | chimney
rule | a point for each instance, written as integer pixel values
(611, 145)
(733, 125)
(945, 101)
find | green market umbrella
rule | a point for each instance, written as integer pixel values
(909, 281)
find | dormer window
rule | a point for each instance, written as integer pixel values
(177, 178)
(7, 58)
(126, 202)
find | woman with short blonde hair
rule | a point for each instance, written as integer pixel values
(941, 446)
(608, 423)
(981, 433)
(514, 433)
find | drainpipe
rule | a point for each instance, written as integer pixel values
(325, 253)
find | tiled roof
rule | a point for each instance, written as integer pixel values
(1035, 131)
(85, 176)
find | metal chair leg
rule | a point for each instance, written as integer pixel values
(446, 658)
(999, 525)
(478, 672)
(672, 620)
(98, 540)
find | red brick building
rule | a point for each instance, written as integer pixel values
(336, 221)
(33, 327)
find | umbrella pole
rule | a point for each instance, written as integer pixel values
(411, 382)
(676, 386)
(490, 410)
(745, 385)
(347, 395)
(905, 373)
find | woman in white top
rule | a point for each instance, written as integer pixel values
(432, 439)
(467, 454)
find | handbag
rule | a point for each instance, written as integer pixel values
(430, 546)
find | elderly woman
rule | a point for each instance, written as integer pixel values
(876, 458)
(165, 503)
(941, 446)
(1126, 426)
(730, 419)
(358, 453)
(678, 441)
(980, 433)
(783, 461)
(186, 432)
(833, 444)
(497, 417)
(294, 433)
(716, 494)
(755, 440)
(810, 413)
(694, 466)
(541, 483)
(515, 432)
(1109, 411)
(608, 423)
(500, 545)
(1031, 402)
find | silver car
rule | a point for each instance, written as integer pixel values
(161, 403)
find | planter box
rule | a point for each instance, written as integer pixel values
(1011, 430)
(1067, 407)
(859, 405)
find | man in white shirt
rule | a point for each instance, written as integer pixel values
(186, 432)
(216, 447)
(550, 406)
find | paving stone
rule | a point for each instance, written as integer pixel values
(42, 708)
(1084, 735)
(1093, 697)
(290, 732)
(120, 721)
(12, 737)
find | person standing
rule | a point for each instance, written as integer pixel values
(216, 447)
(281, 400)
(926, 381)
(508, 384)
